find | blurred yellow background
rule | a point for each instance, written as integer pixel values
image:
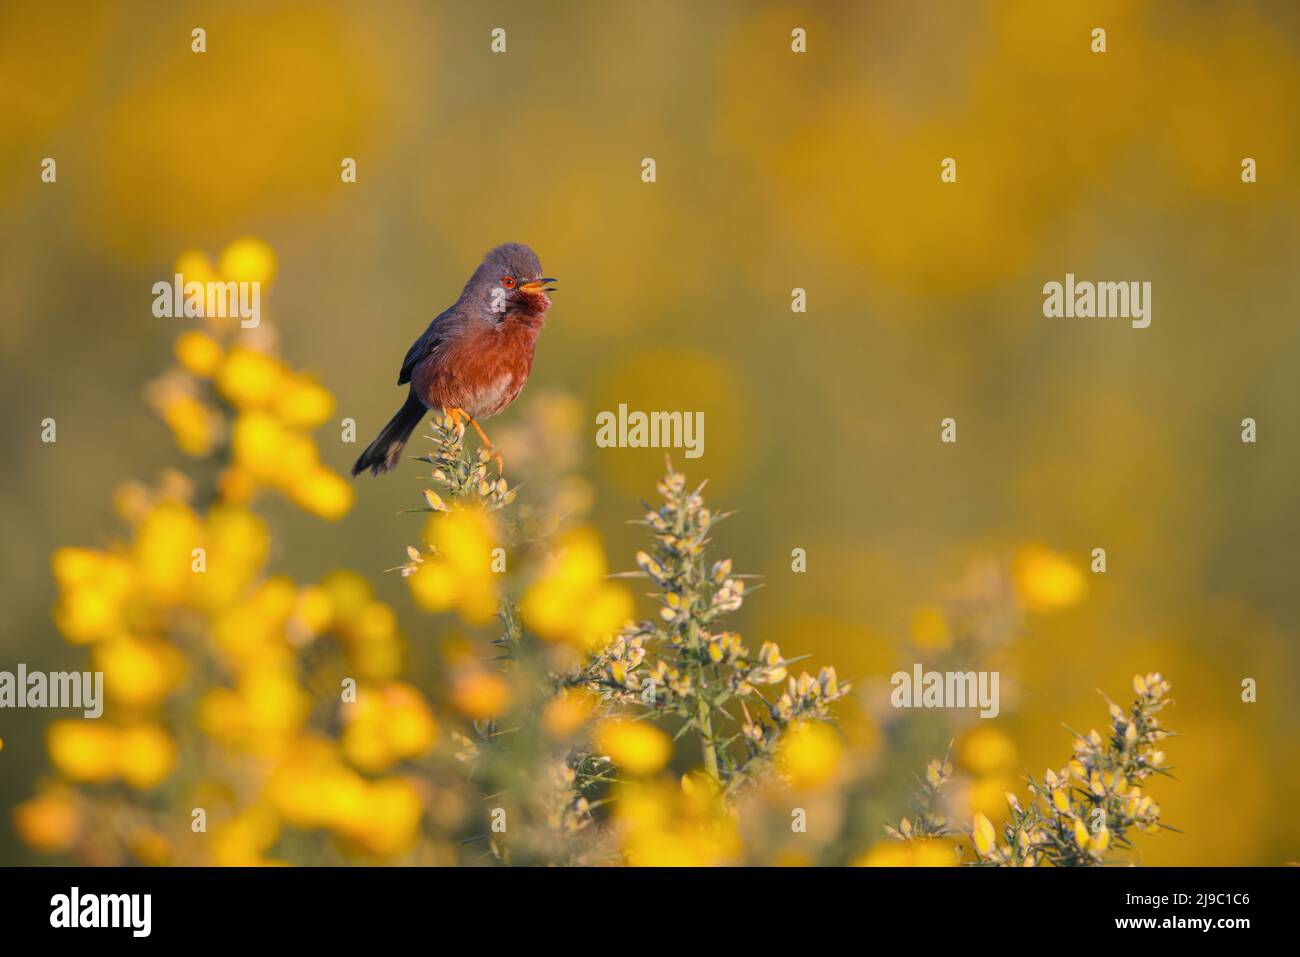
(774, 171)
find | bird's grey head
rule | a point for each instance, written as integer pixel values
(509, 283)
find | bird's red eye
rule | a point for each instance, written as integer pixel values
(508, 282)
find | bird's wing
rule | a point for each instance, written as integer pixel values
(424, 346)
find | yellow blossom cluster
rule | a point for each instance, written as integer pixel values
(480, 694)
(809, 753)
(271, 407)
(182, 605)
(1047, 581)
(389, 722)
(176, 557)
(1077, 814)
(990, 757)
(312, 789)
(636, 747)
(293, 688)
(50, 822)
(93, 752)
(684, 826)
(572, 601)
(926, 852)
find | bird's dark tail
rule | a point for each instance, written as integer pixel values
(381, 455)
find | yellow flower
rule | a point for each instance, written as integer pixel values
(480, 694)
(236, 485)
(665, 826)
(390, 823)
(249, 379)
(194, 425)
(987, 750)
(138, 672)
(311, 787)
(243, 840)
(459, 574)
(387, 724)
(1046, 581)
(195, 266)
(1099, 841)
(983, 835)
(322, 493)
(251, 634)
(84, 752)
(237, 542)
(302, 403)
(989, 794)
(93, 587)
(809, 754)
(256, 445)
(198, 353)
(573, 601)
(925, 852)
(49, 822)
(248, 260)
(267, 444)
(145, 755)
(348, 593)
(565, 713)
(275, 455)
(433, 586)
(163, 551)
(314, 611)
(634, 746)
(275, 701)
(366, 628)
(261, 715)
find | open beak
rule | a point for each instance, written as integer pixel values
(539, 285)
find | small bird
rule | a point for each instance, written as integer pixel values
(475, 357)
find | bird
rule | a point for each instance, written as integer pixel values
(474, 358)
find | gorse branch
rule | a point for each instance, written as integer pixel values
(463, 476)
(1077, 814)
(687, 665)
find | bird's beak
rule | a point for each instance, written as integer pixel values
(539, 285)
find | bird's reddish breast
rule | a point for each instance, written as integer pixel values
(481, 371)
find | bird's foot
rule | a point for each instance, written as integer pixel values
(454, 416)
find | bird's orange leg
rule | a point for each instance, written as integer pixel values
(496, 456)
(454, 415)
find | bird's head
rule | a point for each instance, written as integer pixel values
(510, 283)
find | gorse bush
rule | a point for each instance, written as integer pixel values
(601, 699)
(254, 719)
(683, 666)
(224, 730)
(1076, 815)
